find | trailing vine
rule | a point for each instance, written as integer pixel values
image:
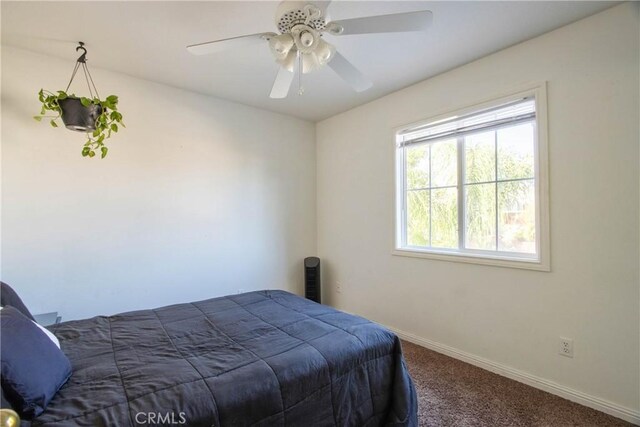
(108, 121)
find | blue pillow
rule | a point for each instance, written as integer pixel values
(9, 297)
(33, 368)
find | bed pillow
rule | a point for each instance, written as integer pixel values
(33, 368)
(9, 297)
(49, 334)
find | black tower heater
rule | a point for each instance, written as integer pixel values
(312, 279)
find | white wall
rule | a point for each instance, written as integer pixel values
(197, 198)
(508, 316)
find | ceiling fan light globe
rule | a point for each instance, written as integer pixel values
(281, 45)
(324, 52)
(310, 62)
(325, 57)
(288, 62)
(334, 28)
(307, 39)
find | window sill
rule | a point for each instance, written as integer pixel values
(495, 261)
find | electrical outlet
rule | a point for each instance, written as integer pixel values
(566, 347)
(339, 287)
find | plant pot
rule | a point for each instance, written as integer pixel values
(76, 116)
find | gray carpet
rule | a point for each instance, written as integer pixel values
(454, 393)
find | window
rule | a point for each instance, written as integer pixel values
(469, 185)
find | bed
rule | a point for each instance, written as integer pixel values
(266, 358)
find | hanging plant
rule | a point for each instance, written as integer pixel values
(97, 117)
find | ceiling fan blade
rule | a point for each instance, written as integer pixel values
(397, 22)
(282, 84)
(227, 44)
(349, 73)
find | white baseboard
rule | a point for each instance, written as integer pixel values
(526, 378)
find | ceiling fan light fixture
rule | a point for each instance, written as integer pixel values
(288, 62)
(325, 52)
(335, 29)
(321, 55)
(281, 45)
(305, 38)
(310, 63)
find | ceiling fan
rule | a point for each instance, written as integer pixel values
(300, 46)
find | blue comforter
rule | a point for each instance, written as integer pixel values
(266, 358)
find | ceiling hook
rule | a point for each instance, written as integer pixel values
(83, 57)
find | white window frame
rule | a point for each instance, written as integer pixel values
(541, 260)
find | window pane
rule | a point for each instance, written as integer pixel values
(444, 221)
(480, 216)
(480, 157)
(516, 216)
(418, 218)
(515, 152)
(418, 166)
(444, 163)
(478, 201)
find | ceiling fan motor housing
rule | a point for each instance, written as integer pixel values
(292, 13)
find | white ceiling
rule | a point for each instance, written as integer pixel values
(148, 39)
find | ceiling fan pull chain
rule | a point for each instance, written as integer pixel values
(300, 88)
